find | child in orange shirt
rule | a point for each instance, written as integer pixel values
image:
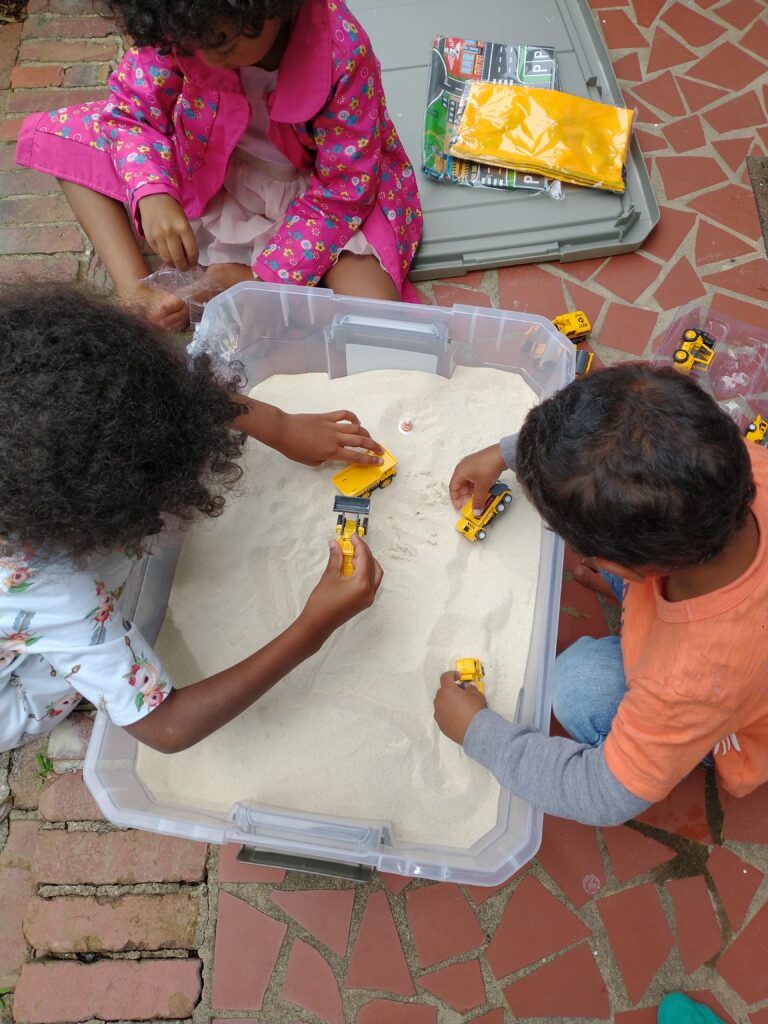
(642, 473)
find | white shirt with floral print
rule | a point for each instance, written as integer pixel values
(62, 637)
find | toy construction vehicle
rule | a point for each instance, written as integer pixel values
(756, 430)
(471, 673)
(697, 349)
(352, 518)
(583, 363)
(357, 481)
(574, 326)
(474, 527)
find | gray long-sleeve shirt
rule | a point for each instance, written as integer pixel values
(558, 775)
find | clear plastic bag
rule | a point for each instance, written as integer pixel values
(194, 287)
(544, 132)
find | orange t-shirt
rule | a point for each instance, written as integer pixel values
(697, 678)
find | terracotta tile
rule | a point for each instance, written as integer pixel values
(571, 857)
(628, 276)
(377, 960)
(480, 893)
(643, 114)
(632, 853)
(683, 812)
(646, 11)
(310, 984)
(699, 96)
(231, 871)
(746, 817)
(667, 52)
(451, 295)
(582, 269)
(627, 69)
(756, 39)
(534, 925)
(736, 883)
(580, 615)
(713, 245)
(661, 93)
(460, 986)
(385, 1011)
(494, 1017)
(685, 135)
(747, 312)
(744, 111)
(743, 963)
(247, 946)
(707, 999)
(685, 174)
(619, 32)
(324, 913)
(734, 151)
(728, 66)
(670, 233)
(749, 279)
(642, 949)
(649, 142)
(740, 13)
(648, 1016)
(585, 299)
(473, 279)
(569, 986)
(698, 933)
(733, 207)
(679, 285)
(596, 4)
(695, 29)
(627, 328)
(761, 1017)
(530, 289)
(442, 923)
(395, 883)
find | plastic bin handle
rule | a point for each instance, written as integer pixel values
(291, 832)
(410, 335)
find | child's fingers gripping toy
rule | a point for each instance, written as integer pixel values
(352, 518)
(356, 481)
(471, 672)
(475, 527)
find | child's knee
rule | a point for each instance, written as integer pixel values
(589, 684)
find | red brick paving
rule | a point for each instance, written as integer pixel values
(699, 131)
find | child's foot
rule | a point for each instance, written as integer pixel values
(157, 306)
(592, 579)
(225, 275)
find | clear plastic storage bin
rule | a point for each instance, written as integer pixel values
(269, 329)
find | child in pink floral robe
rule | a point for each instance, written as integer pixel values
(256, 142)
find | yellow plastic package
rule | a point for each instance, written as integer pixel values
(543, 131)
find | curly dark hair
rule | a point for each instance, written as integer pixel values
(638, 466)
(105, 430)
(188, 25)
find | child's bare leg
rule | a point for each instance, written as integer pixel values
(591, 578)
(106, 223)
(225, 275)
(361, 275)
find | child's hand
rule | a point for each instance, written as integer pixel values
(168, 231)
(474, 475)
(313, 438)
(337, 598)
(455, 708)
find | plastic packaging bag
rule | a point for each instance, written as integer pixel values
(194, 286)
(544, 132)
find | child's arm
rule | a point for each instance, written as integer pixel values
(475, 473)
(191, 713)
(311, 438)
(560, 776)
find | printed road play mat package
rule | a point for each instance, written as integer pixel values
(455, 62)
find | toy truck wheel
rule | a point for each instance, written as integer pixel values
(386, 483)
(690, 334)
(500, 507)
(507, 499)
(481, 534)
(680, 356)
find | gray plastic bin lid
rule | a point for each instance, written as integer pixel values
(476, 228)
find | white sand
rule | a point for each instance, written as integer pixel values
(350, 733)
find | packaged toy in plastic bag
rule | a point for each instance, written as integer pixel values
(194, 287)
(544, 132)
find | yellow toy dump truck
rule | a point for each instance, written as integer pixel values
(575, 325)
(352, 518)
(696, 349)
(356, 481)
(474, 527)
(471, 672)
(756, 430)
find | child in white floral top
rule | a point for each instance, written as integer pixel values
(105, 435)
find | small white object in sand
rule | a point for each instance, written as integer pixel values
(350, 733)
